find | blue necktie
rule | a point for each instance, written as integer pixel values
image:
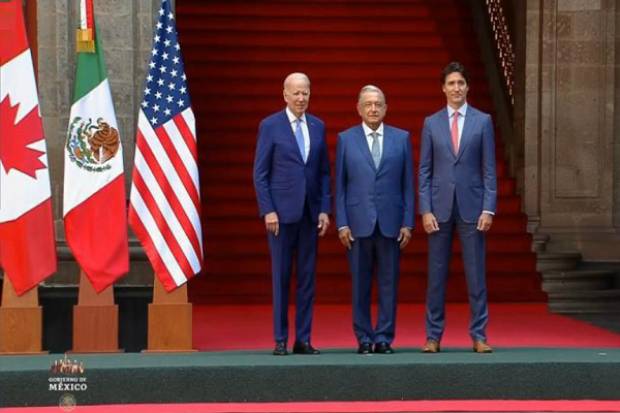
(299, 137)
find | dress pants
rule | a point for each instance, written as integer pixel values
(366, 255)
(473, 252)
(298, 240)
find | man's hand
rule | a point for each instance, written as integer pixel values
(484, 222)
(404, 237)
(345, 237)
(430, 223)
(272, 224)
(323, 223)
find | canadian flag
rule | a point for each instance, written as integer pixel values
(27, 247)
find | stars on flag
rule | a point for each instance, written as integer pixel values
(165, 93)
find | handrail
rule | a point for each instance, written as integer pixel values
(503, 43)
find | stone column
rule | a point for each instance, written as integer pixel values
(530, 118)
(616, 122)
(570, 93)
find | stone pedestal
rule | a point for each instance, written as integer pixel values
(170, 320)
(21, 321)
(95, 320)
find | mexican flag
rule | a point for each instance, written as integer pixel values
(94, 187)
(27, 246)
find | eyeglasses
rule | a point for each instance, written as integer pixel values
(368, 105)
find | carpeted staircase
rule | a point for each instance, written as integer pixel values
(237, 53)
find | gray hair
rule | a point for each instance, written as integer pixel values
(296, 75)
(370, 88)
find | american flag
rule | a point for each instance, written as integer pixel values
(164, 209)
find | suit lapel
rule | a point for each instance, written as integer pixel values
(444, 127)
(362, 144)
(313, 136)
(468, 124)
(388, 144)
(288, 131)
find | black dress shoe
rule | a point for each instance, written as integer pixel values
(280, 349)
(383, 348)
(304, 348)
(364, 348)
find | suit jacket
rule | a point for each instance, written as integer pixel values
(469, 175)
(365, 195)
(282, 180)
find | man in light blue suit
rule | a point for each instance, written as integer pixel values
(374, 214)
(458, 190)
(291, 178)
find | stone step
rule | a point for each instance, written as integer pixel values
(585, 302)
(539, 242)
(555, 261)
(608, 321)
(578, 280)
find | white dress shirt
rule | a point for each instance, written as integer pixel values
(304, 129)
(368, 133)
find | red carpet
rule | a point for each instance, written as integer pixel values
(225, 327)
(237, 54)
(349, 407)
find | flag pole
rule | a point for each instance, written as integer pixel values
(102, 249)
(168, 225)
(95, 320)
(21, 321)
(170, 320)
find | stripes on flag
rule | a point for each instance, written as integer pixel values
(165, 198)
(164, 206)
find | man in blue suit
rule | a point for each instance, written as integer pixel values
(291, 178)
(458, 190)
(374, 214)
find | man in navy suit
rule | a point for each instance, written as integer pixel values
(458, 190)
(374, 214)
(291, 178)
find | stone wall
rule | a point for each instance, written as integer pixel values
(572, 162)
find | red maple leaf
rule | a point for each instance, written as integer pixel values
(15, 138)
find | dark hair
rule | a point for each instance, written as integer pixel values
(453, 67)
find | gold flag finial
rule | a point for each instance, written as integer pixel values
(85, 42)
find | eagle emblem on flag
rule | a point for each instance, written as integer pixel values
(90, 145)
